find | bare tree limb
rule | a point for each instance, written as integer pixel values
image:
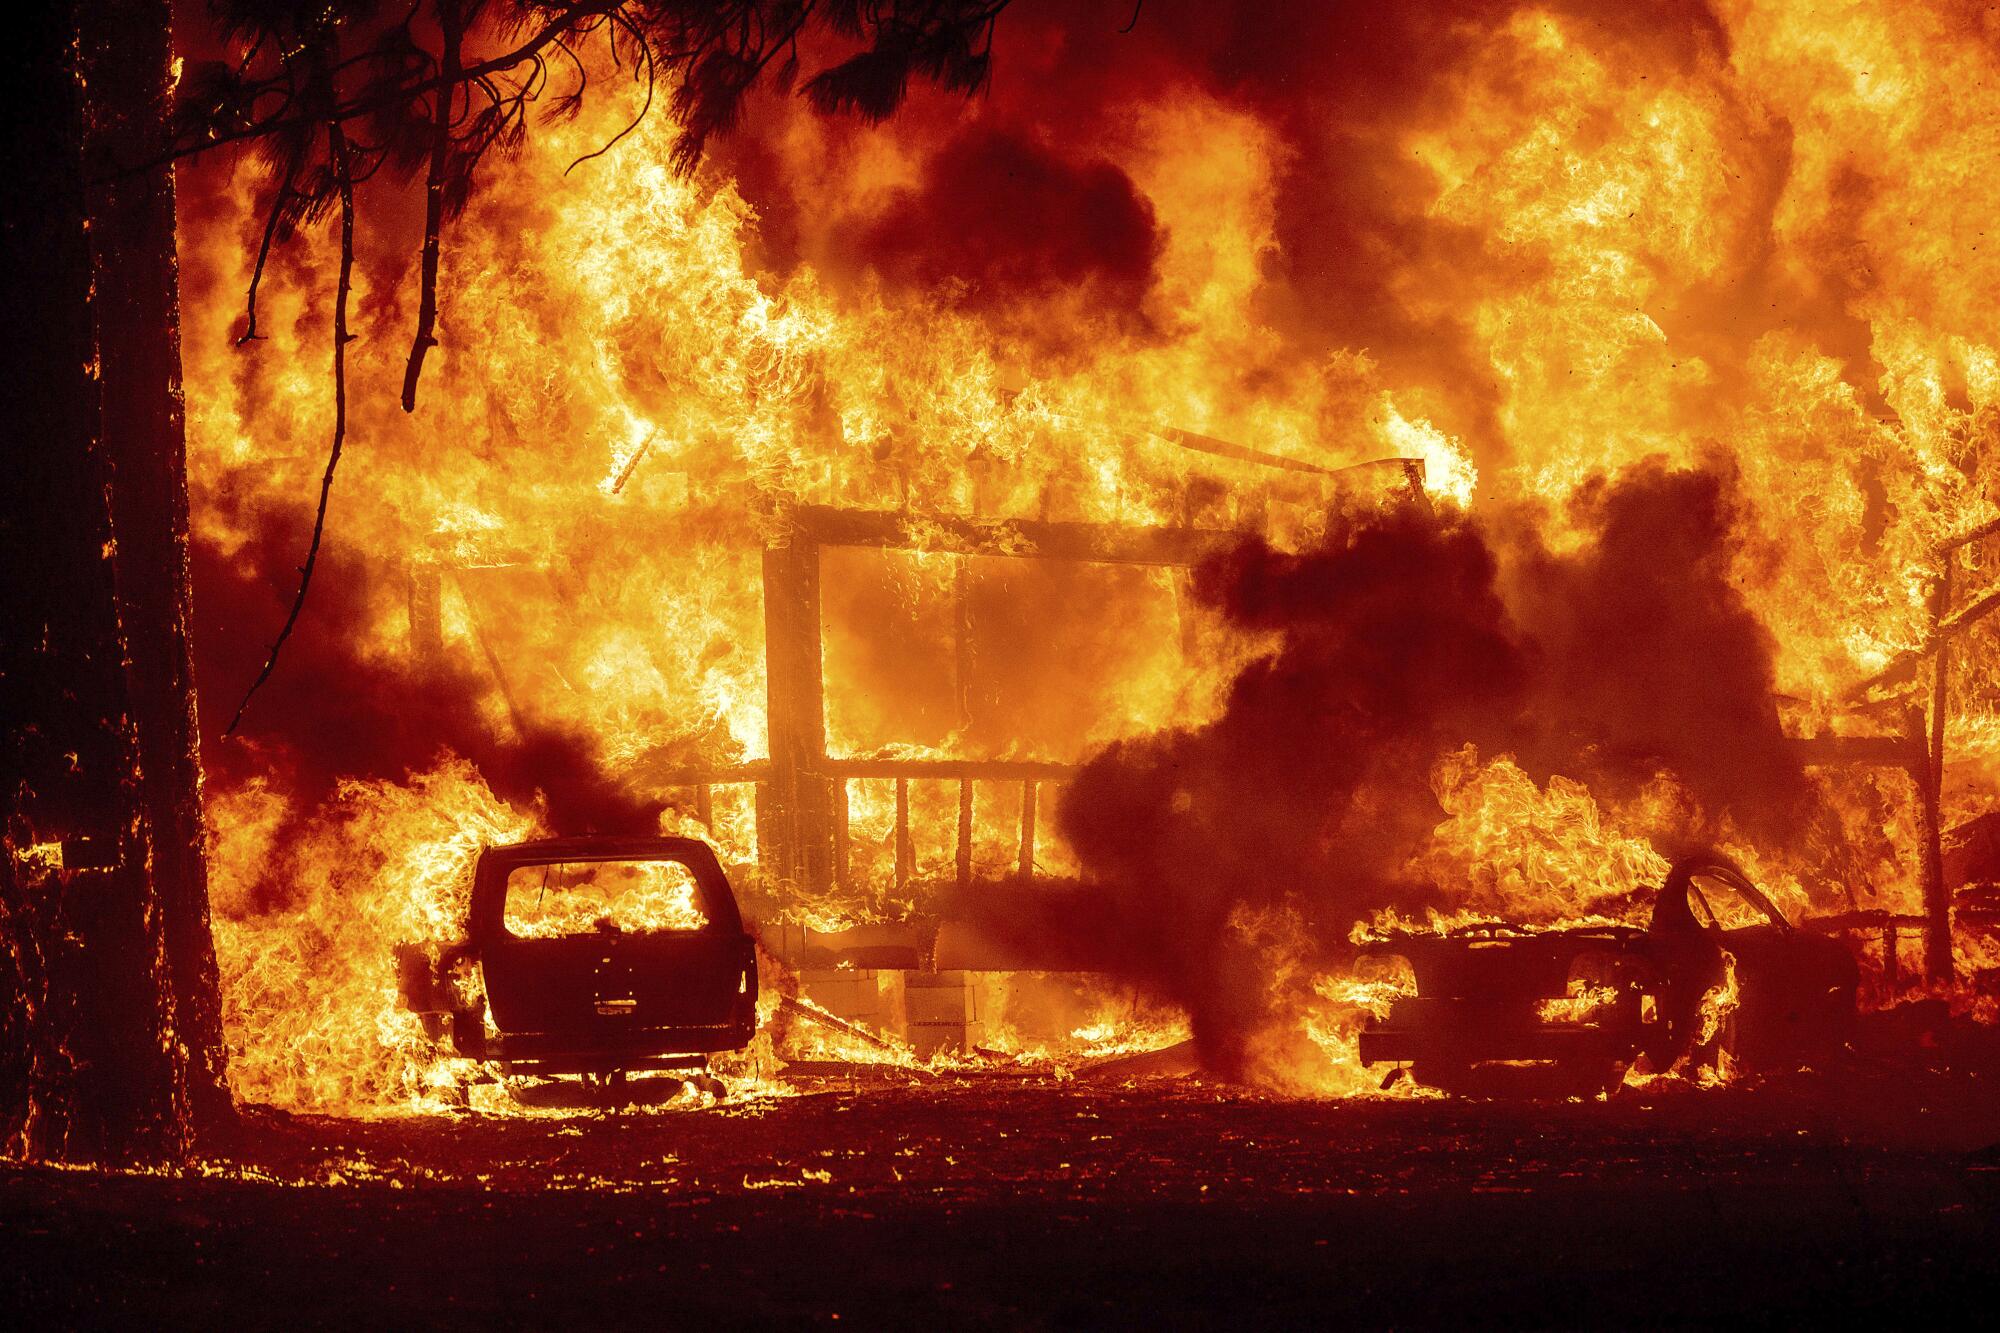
(451, 19)
(645, 70)
(336, 139)
(717, 52)
(264, 254)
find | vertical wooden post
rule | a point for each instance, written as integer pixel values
(961, 641)
(494, 664)
(704, 806)
(426, 613)
(1182, 581)
(964, 832)
(840, 844)
(763, 810)
(905, 853)
(1414, 473)
(1937, 895)
(1029, 790)
(1930, 849)
(798, 844)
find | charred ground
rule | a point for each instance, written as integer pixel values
(1004, 1202)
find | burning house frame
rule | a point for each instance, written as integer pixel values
(800, 794)
(802, 797)
(1915, 694)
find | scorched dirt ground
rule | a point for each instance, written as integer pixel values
(1006, 1202)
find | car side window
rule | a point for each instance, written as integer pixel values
(615, 897)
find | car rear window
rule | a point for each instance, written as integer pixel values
(1716, 902)
(581, 897)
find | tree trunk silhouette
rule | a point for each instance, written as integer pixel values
(110, 1015)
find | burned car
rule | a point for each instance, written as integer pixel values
(591, 956)
(1718, 973)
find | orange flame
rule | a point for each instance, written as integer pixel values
(625, 409)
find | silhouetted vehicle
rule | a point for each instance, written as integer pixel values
(1719, 974)
(592, 956)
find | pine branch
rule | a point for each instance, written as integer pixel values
(289, 115)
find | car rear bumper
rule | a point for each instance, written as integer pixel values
(582, 1053)
(1453, 1045)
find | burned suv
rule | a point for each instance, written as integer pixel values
(591, 956)
(1718, 973)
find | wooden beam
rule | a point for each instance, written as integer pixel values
(1937, 902)
(426, 613)
(1867, 918)
(700, 775)
(493, 663)
(1108, 543)
(800, 840)
(1410, 471)
(812, 1013)
(964, 832)
(905, 853)
(1029, 791)
(1865, 751)
(1943, 631)
(986, 770)
(840, 836)
(1937, 895)
(1963, 619)
(1971, 535)
(1185, 618)
(1208, 444)
(961, 645)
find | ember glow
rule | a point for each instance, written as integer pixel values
(1301, 478)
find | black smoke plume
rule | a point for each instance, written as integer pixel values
(1402, 637)
(341, 709)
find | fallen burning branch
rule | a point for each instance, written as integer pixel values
(805, 1009)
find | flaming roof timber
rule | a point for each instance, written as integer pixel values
(1104, 541)
(824, 525)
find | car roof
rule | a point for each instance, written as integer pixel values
(596, 848)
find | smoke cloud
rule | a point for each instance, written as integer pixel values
(342, 707)
(1000, 218)
(1401, 638)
